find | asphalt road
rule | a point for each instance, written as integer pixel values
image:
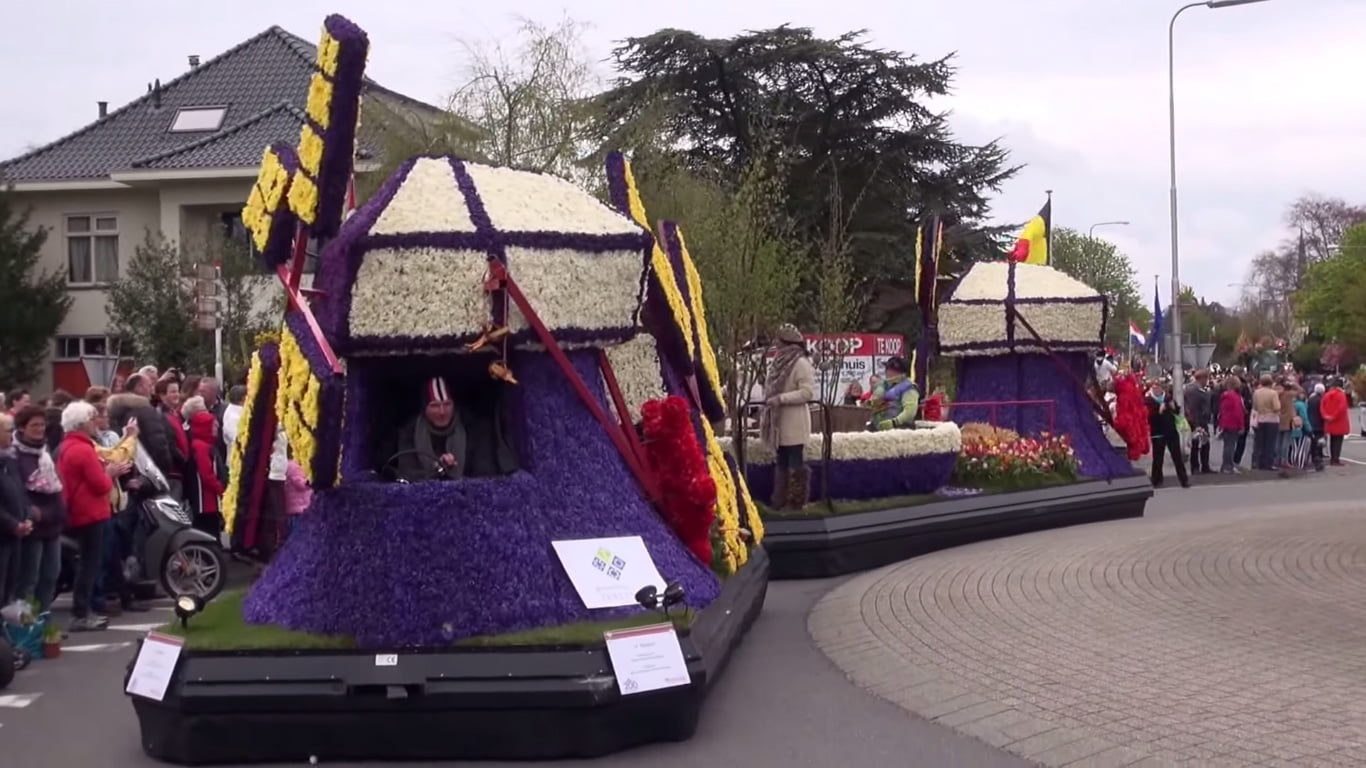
(781, 702)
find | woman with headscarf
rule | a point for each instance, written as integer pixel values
(785, 423)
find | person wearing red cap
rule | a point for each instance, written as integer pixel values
(432, 446)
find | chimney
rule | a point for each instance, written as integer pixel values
(194, 60)
(156, 94)
(104, 108)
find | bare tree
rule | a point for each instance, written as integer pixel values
(529, 104)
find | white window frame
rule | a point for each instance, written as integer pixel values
(91, 234)
(59, 354)
(191, 113)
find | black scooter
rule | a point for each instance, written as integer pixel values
(168, 552)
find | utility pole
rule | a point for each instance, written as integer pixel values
(208, 310)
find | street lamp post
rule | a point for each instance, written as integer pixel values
(1091, 233)
(1178, 382)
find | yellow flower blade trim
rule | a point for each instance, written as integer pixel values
(320, 100)
(706, 357)
(727, 513)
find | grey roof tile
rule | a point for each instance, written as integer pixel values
(262, 81)
(234, 146)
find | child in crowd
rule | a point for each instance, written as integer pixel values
(202, 485)
(298, 494)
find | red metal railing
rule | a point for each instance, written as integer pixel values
(993, 407)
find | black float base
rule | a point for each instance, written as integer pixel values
(520, 703)
(816, 547)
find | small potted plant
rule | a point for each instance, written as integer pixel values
(52, 640)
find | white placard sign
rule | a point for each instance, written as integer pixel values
(155, 666)
(647, 658)
(607, 573)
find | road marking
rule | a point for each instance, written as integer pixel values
(18, 700)
(1353, 461)
(95, 647)
(137, 627)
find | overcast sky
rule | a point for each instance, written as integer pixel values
(1270, 102)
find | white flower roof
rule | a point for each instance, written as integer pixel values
(1067, 314)
(407, 271)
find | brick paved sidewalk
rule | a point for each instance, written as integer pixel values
(1223, 638)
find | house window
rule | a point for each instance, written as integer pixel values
(92, 250)
(234, 231)
(193, 119)
(77, 347)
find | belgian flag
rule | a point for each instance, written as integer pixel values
(1032, 245)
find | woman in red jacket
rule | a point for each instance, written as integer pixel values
(86, 483)
(1337, 420)
(202, 487)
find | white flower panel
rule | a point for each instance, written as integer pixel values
(577, 289)
(1056, 321)
(636, 365)
(1035, 281)
(420, 292)
(936, 438)
(429, 201)
(517, 201)
(986, 280)
(989, 280)
(971, 323)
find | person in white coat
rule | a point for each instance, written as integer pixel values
(785, 424)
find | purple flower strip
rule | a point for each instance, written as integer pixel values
(618, 192)
(1033, 300)
(341, 259)
(424, 565)
(331, 399)
(1005, 348)
(982, 379)
(257, 453)
(713, 405)
(858, 480)
(339, 139)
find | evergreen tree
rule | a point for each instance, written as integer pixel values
(33, 304)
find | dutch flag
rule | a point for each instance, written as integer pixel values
(1136, 336)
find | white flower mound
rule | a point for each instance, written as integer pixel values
(1045, 298)
(429, 201)
(574, 289)
(419, 292)
(937, 437)
(520, 201)
(636, 365)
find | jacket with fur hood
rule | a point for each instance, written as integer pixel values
(153, 431)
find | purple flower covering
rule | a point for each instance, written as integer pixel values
(853, 480)
(339, 139)
(424, 565)
(328, 433)
(1039, 377)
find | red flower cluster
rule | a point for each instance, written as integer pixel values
(1131, 416)
(984, 462)
(687, 491)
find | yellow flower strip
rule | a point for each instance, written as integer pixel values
(310, 150)
(636, 205)
(296, 405)
(265, 198)
(752, 518)
(319, 106)
(236, 477)
(706, 356)
(727, 511)
(303, 198)
(328, 49)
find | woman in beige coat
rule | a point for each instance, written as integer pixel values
(785, 425)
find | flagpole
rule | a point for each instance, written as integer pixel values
(1049, 192)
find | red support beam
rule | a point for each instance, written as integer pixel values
(499, 279)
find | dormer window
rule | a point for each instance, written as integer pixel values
(191, 119)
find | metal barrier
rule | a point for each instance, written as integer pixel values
(995, 405)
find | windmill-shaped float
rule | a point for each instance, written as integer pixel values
(574, 345)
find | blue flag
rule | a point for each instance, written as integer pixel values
(1155, 335)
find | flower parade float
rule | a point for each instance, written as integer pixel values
(1025, 449)
(439, 620)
